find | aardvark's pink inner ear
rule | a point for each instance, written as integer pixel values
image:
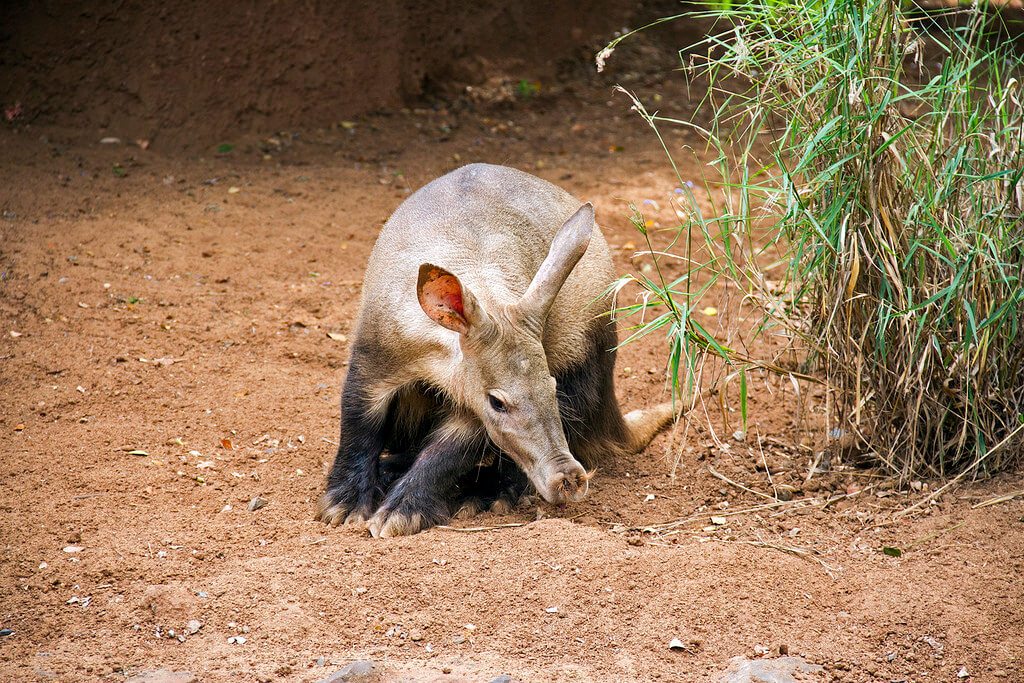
(440, 296)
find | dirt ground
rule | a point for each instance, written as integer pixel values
(165, 359)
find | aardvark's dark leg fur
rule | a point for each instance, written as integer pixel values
(497, 484)
(353, 488)
(424, 496)
(590, 412)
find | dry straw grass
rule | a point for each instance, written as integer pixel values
(887, 147)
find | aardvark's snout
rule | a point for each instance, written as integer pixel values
(563, 482)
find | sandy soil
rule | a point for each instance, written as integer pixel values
(180, 305)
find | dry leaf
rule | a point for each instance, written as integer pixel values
(226, 443)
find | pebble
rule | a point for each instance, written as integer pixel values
(504, 678)
(415, 636)
(359, 671)
(193, 626)
(785, 492)
(256, 503)
(4, 632)
(236, 640)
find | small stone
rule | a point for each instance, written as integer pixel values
(503, 678)
(459, 640)
(321, 661)
(193, 626)
(676, 644)
(415, 636)
(963, 673)
(359, 671)
(236, 640)
(256, 503)
(4, 632)
(785, 492)
(446, 669)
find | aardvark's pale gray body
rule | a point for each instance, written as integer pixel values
(503, 221)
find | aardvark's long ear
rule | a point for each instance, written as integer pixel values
(445, 301)
(570, 243)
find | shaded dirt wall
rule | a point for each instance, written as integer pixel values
(192, 71)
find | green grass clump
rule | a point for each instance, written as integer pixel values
(886, 148)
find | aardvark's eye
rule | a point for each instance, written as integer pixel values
(497, 405)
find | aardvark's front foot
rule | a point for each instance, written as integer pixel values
(344, 505)
(405, 513)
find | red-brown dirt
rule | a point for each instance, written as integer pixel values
(180, 305)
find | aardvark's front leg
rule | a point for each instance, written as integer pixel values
(426, 494)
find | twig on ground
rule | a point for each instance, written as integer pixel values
(1006, 497)
(933, 536)
(727, 480)
(316, 541)
(472, 529)
(803, 553)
